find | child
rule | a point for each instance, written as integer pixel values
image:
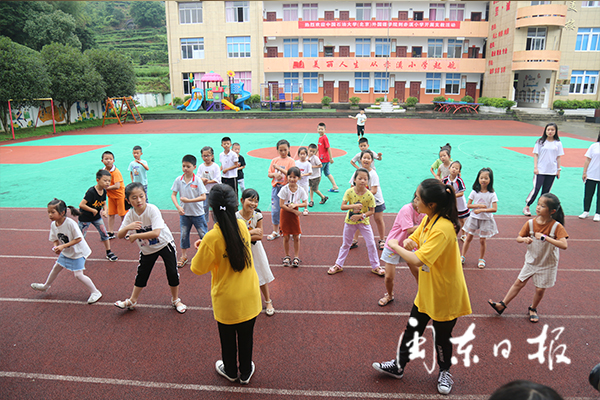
(325, 156)
(305, 168)
(360, 118)
(253, 218)
(483, 201)
(363, 144)
(544, 235)
(115, 192)
(443, 162)
(406, 222)
(72, 247)
(192, 194)
(229, 164)
(292, 198)
(137, 169)
(315, 178)
(93, 208)
(591, 180)
(209, 173)
(459, 187)
(360, 203)
(225, 253)
(278, 174)
(240, 171)
(144, 225)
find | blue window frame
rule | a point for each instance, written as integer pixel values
(311, 48)
(361, 82)
(290, 82)
(310, 82)
(433, 83)
(290, 47)
(381, 82)
(363, 47)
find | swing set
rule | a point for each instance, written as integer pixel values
(12, 127)
(125, 108)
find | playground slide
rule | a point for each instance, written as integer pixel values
(195, 104)
(228, 104)
(240, 101)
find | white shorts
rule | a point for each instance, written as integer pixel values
(389, 257)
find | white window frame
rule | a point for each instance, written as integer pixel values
(539, 3)
(362, 42)
(232, 11)
(312, 44)
(291, 81)
(455, 48)
(383, 11)
(193, 47)
(240, 47)
(535, 40)
(585, 39)
(381, 44)
(186, 81)
(310, 11)
(439, 10)
(457, 12)
(244, 77)
(383, 78)
(310, 81)
(290, 12)
(453, 83)
(581, 82)
(590, 4)
(190, 13)
(363, 11)
(290, 48)
(363, 78)
(438, 48)
(432, 78)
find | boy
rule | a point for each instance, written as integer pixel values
(363, 144)
(93, 207)
(240, 173)
(360, 118)
(315, 178)
(325, 156)
(229, 164)
(137, 169)
(192, 194)
(115, 192)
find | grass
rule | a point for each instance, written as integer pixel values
(47, 130)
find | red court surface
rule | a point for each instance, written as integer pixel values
(267, 152)
(39, 154)
(573, 157)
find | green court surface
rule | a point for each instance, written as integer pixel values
(406, 162)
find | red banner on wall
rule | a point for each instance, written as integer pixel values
(379, 24)
(380, 65)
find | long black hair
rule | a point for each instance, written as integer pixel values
(477, 185)
(553, 203)
(525, 390)
(545, 135)
(61, 207)
(223, 201)
(434, 191)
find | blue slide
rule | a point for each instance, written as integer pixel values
(196, 100)
(244, 96)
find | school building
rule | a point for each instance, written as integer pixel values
(532, 51)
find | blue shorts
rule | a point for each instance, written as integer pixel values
(325, 169)
(380, 208)
(72, 264)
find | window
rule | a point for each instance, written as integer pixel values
(455, 48)
(309, 12)
(190, 13)
(416, 51)
(583, 82)
(587, 39)
(418, 15)
(328, 51)
(244, 77)
(383, 11)
(290, 12)
(381, 82)
(590, 4)
(311, 47)
(290, 82)
(363, 47)
(310, 82)
(382, 47)
(238, 47)
(538, 3)
(187, 85)
(435, 48)
(433, 83)
(192, 48)
(452, 83)
(536, 39)
(363, 11)
(361, 82)
(237, 11)
(290, 47)
(457, 12)
(437, 12)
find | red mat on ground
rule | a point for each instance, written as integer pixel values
(573, 157)
(40, 154)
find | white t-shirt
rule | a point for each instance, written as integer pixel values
(488, 199)
(211, 172)
(316, 172)
(289, 197)
(373, 181)
(68, 231)
(228, 160)
(305, 167)
(547, 155)
(593, 171)
(361, 119)
(356, 159)
(151, 219)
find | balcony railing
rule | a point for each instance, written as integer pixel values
(542, 15)
(536, 60)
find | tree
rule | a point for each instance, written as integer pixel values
(72, 75)
(116, 70)
(56, 27)
(24, 76)
(148, 13)
(14, 14)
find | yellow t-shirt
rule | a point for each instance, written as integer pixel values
(235, 295)
(442, 290)
(367, 200)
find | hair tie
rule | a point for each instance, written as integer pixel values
(448, 190)
(222, 208)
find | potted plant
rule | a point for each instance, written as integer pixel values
(354, 103)
(411, 103)
(325, 101)
(378, 100)
(508, 104)
(395, 101)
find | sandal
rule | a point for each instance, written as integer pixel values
(182, 261)
(311, 203)
(286, 261)
(274, 235)
(462, 259)
(463, 237)
(385, 299)
(493, 305)
(296, 262)
(324, 200)
(381, 244)
(378, 271)
(126, 304)
(335, 269)
(533, 317)
(178, 305)
(481, 264)
(305, 212)
(354, 245)
(269, 310)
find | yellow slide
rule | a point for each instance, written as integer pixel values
(228, 104)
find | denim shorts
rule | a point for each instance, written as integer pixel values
(185, 224)
(325, 170)
(99, 224)
(380, 208)
(72, 264)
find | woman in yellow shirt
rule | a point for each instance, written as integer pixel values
(225, 253)
(442, 295)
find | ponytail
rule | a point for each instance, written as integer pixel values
(62, 207)
(553, 203)
(444, 198)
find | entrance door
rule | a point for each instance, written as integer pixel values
(328, 89)
(400, 90)
(272, 91)
(329, 15)
(401, 51)
(472, 90)
(344, 91)
(415, 90)
(272, 52)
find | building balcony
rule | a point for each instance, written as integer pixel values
(430, 29)
(373, 64)
(547, 60)
(542, 15)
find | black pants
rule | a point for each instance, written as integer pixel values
(230, 182)
(360, 130)
(590, 187)
(543, 182)
(146, 263)
(443, 333)
(236, 340)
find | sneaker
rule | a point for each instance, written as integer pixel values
(110, 256)
(220, 367)
(111, 235)
(94, 297)
(445, 382)
(584, 215)
(39, 286)
(247, 380)
(390, 368)
(526, 211)
(597, 218)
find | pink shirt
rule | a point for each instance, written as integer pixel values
(406, 219)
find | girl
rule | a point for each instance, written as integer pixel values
(278, 174)
(291, 198)
(225, 253)
(483, 201)
(306, 171)
(546, 163)
(591, 178)
(209, 172)
(406, 223)
(72, 247)
(253, 218)
(442, 295)
(544, 235)
(459, 187)
(360, 203)
(144, 225)
(440, 168)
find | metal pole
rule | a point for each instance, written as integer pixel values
(11, 121)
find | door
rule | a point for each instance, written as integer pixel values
(472, 90)
(415, 90)
(418, 16)
(272, 52)
(272, 91)
(329, 15)
(401, 51)
(271, 16)
(344, 15)
(475, 16)
(344, 91)
(400, 90)
(402, 15)
(473, 52)
(344, 51)
(328, 89)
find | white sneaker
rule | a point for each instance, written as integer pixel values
(247, 380)
(526, 211)
(39, 286)
(94, 297)
(597, 218)
(220, 368)
(445, 382)
(584, 215)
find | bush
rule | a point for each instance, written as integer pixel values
(186, 98)
(326, 100)
(467, 99)
(354, 100)
(395, 100)
(254, 99)
(411, 101)
(379, 99)
(177, 101)
(439, 98)
(495, 102)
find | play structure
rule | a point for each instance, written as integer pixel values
(44, 117)
(214, 98)
(274, 94)
(126, 105)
